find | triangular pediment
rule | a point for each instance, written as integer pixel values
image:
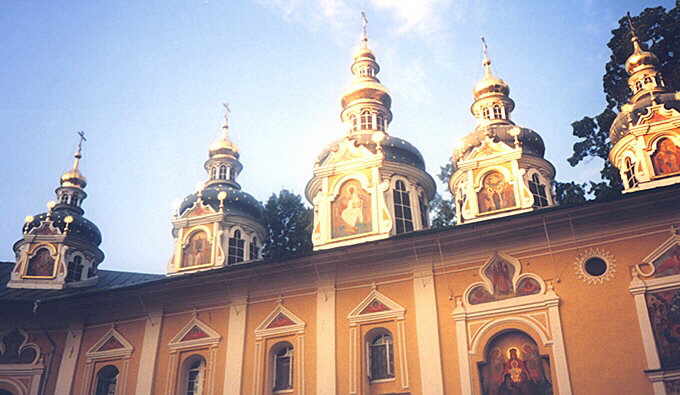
(194, 333)
(376, 306)
(489, 148)
(664, 260)
(199, 209)
(347, 151)
(279, 321)
(111, 345)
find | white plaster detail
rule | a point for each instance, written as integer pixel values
(427, 333)
(236, 342)
(325, 340)
(263, 329)
(395, 311)
(601, 253)
(122, 352)
(212, 339)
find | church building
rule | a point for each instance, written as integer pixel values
(521, 296)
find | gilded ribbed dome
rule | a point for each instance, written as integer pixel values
(490, 83)
(640, 58)
(223, 145)
(73, 178)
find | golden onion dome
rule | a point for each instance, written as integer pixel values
(73, 178)
(223, 145)
(490, 83)
(640, 58)
(363, 52)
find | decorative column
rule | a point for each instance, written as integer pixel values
(459, 317)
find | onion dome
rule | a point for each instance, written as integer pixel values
(223, 168)
(647, 86)
(60, 247)
(640, 59)
(489, 84)
(366, 94)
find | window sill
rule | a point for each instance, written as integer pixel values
(286, 391)
(378, 381)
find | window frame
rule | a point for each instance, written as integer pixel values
(402, 208)
(538, 190)
(376, 335)
(111, 381)
(235, 245)
(280, 351)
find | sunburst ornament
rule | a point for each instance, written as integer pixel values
(595, 266)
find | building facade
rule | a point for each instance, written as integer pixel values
(521, 297)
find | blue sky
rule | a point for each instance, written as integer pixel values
(145, 81)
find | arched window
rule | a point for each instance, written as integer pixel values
(282, 367)
(75, 269)
(213, 173)
(638, 86)
(366, 120)
(223, 173)
(497, 112)
(193, 376)
(64, 198)
(485, 113)
(402, 208)
(380, 120)
(648, 79)
(630, 173)
(538, 190)
(659, 80)
(380, 357)
(253, 249)
(355, 122)
(107, 378)
(236, 245)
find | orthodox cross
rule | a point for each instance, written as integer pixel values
(80, 143)
(227, 112)
(364, 24)
(630, 24)
(485, 49)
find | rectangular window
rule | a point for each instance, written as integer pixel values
(402, 210)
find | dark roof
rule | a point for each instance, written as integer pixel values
(237, 201)
(81, 227)
(531, 142)
(108, 280)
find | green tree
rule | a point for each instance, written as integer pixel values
(289, 226)
(660, 31)
(443, 210)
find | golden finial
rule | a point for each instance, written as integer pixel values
(79, 151)
(634, 37)
(73, 177)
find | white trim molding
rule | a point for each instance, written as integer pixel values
(537, 315)
(149, 354)
(236, 342)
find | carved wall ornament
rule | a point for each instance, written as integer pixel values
(595, 266)
(502, 278)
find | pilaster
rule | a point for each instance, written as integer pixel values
(149, 353)
(236, 337)
(67, 367)
(427, 332)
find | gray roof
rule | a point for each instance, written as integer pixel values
(108, 280)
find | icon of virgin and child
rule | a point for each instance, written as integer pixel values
(514, 367)
(351, 210)
(496, 193)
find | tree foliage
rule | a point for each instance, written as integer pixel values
(443, 209)
(660, 31)
(289, 226)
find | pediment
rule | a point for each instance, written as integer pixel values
(111, 345)
(489, 148)
(502, 278)
(664, 260)
(195, 333)
(657, 114)
(347, 151)
(199, 209)
(376, 306)
(279, 321)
